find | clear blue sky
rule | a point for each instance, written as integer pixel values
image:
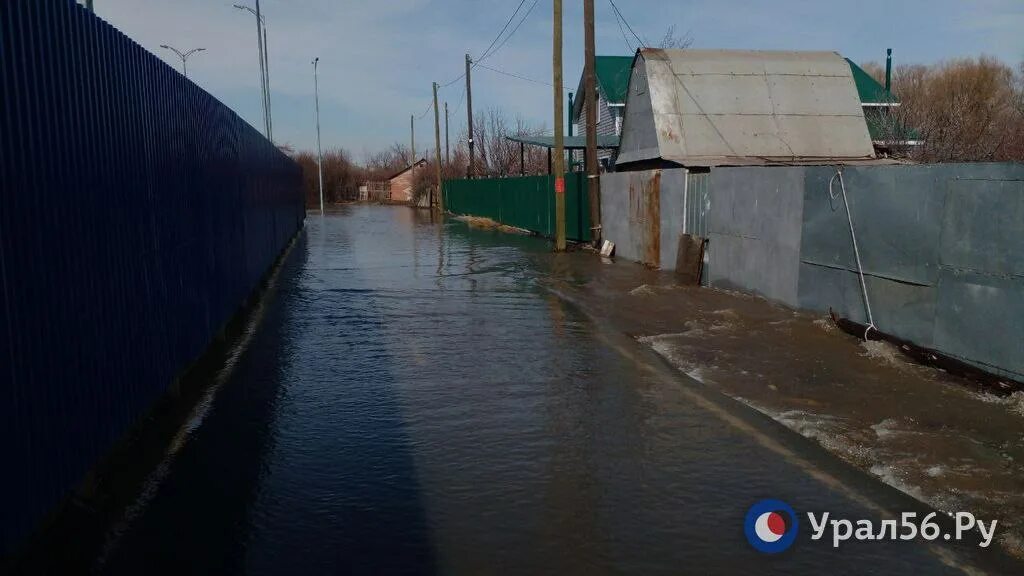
(379, 57)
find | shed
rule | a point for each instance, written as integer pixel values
(701, 108)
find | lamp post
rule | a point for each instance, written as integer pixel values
(183, 56)
(261, 45)
(319, 151)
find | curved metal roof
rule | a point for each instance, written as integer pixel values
(739, 107)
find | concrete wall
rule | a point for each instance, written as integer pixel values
(942, 246)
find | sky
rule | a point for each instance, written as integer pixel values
(378, 58)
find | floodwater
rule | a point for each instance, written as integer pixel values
(420, 398)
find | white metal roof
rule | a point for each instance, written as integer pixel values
(733, 107)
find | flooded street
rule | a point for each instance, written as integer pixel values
(420, 398)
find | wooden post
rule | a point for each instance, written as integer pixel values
(469, 111)
(438, 201)
(590, 101)
(447, 149)
(559, 153)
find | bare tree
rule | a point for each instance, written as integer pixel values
(672, 40)
(967, 110)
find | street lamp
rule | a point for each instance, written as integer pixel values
(183, 56)
(261, 44)
(319, 151)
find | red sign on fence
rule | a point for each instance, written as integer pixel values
(560, 185)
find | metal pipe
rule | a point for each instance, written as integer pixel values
(319, 150)
(856, 251)
(888, 70)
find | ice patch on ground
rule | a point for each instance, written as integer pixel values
(662, 346)
(935, 471)
(891, 476)
(886, 428)
(824, 429)
(697, 374)
(884, 353)
(727, 313)
(1014, 402)
(642, 290)
(825, 324)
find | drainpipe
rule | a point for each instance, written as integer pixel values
(572, 153)
(888, 70)
(570, 114)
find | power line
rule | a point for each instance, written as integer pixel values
(512, 33)
(626, 22)
(427, 111)
(489, 52)
(624, 37)
(510, 74)
(505, 27)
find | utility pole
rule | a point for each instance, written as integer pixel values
(469, 111)
(447, 149)
(559, 154)
(438, 202)
(590, 100)
(264, 83)
(412, 140)
(263, 70)
(319, 150)
(266, 68)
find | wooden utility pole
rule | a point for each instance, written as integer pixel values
(438, 200)
(447, 149)
(412, 142)
(559, 153)
(590, 101)
(469, 111)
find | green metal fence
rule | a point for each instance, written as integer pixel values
(527, 202)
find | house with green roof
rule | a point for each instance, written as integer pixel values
(612, 84)
(878, 102)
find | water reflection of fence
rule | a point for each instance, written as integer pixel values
(526, 202)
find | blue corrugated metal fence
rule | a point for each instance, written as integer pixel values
(137, 213)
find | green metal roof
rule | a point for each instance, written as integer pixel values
(607, 141)
(869, 90)
(612, 80)
(613, 76)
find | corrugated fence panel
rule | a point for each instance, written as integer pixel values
(525, 202)
(137, 213)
